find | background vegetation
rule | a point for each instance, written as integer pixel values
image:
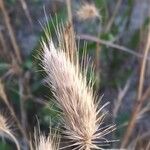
(117, 40)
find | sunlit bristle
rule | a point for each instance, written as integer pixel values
(46, 143)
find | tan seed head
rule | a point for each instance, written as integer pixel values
(87, 11)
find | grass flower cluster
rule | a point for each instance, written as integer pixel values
(81, 116)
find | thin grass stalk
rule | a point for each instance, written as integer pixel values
(69, 11)
(97, 55)
(69, 37)
(10, 31)
(110, 44)
(115, 12)
(121, 94)
(5, 99)
(2, 41)
(68, 40)
(23, 111)
(26, 11)
(139, 101)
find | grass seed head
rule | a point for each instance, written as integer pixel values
(87, 11)
(46, 143)
(43, 142)
(81, 117)
(5, 130)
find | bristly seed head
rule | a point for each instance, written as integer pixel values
(87, 11)
(75, 97)
(45, 143)
(5, 130)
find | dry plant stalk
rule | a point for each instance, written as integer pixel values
(140, 100)
(3, 96)
(115, 12)
(110, 44)
(85, 12)
(2, 41)
(26, 10)
(143, 110)
(97, 63)
(68, 40)
(22, 101)
(69, 11)
(5, 131)
(68, 33)
(81, 119)
(121, 94)
(2, 92)
(11, 32)
(97, 59)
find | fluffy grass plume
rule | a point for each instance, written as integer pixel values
(45, 143)
(87, 11)
(82, 119)
(5, 130)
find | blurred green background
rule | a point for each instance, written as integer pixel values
(121, 29)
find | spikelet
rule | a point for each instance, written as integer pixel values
(5, 131)
(81, 117)
(45, 143)
(87, 11)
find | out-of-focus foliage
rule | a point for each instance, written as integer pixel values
(115, 66)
